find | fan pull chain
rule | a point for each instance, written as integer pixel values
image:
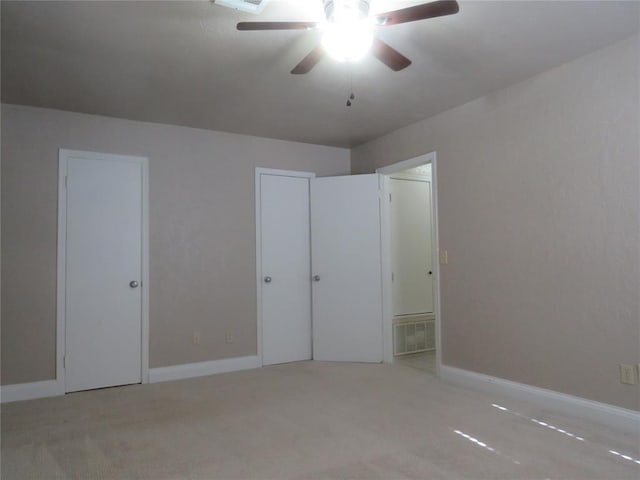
(352, 95)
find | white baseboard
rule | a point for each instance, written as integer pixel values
(53, 388)
(29, 391)
(201, 369)
(605, 414)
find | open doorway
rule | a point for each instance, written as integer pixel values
(410, 267)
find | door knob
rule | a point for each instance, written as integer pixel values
(133, 284)
(267, 279)
(316, 278)
(430, 272)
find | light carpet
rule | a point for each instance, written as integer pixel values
(308, 420)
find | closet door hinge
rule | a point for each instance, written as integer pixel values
(390, 200)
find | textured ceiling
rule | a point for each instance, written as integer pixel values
(184, 63)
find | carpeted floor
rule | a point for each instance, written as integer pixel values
(307, 420)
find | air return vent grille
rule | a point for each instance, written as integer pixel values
(413, 336)
(253, 6)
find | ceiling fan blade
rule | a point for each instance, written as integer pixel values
(389, 56)
(276, 25)
(419, 12)
(309, 61)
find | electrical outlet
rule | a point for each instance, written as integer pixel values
(196, 338)
(228, 338)
(444, 257)
(627, 374)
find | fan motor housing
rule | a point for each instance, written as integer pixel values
(358, 9)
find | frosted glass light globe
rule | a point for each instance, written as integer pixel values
(347, 41)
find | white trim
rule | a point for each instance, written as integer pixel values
(387, 172)
(63, 157)
(258, 215)
(145, 271)
(54, 388)
(202, 369)
(436, 260)
(385, 252)
(61, 312)
(407, 164)
(609, 415)
(410, 178)
(29, 391)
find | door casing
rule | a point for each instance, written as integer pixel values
(63, 157)
(386, 172)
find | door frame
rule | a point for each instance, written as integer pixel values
(258, 213)
(386, 173)
(63, 158)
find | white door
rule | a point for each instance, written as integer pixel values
(285, 268)
(346, 264)
(103, 271)
(411, 246)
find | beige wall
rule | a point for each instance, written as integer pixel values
(539, 211)
(202, 231)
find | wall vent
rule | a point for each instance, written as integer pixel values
(413, 336)
(252, 6)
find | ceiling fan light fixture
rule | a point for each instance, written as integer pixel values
(340, 11)
(348, 31)
(347, 41)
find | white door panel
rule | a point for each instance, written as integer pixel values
(347, 300)
(286, 256)
(411, 246)
(103, 255)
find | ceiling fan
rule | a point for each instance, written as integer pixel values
(347, 32)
